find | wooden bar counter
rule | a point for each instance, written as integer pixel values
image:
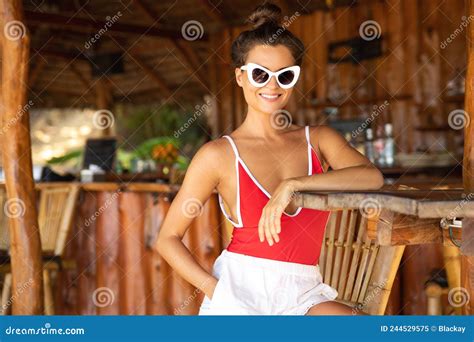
(412, 217)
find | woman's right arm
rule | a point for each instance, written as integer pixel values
(200, 180)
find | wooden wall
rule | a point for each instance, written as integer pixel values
(411, 75)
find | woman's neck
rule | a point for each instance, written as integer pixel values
(260, 124)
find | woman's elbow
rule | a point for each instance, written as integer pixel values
(377, 178)
(160, 244)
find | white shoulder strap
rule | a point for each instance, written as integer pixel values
(234, 147)
(307, 134)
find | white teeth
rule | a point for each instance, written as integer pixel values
(267, 96)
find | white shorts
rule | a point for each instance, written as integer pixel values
(249, 285)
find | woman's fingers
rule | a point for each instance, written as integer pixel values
(261, 228)
(273, 224)
(269, 225)
(268, 232)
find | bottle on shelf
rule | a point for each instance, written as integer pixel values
(389, 146)
(369, 150)
(379, 148)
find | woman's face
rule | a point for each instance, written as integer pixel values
(271, 97)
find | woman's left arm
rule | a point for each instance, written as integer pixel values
(350, 171)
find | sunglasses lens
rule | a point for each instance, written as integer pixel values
(259, 75)
(287, 77)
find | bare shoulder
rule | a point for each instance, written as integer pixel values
(324, 134)
(213, 152)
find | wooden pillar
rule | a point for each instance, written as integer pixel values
(21, 206)
(467, 260)
(104, 103)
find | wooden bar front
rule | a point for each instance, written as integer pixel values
(118, 270)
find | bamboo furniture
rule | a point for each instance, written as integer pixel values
(356, 265)
(55, 214)
(395, 218)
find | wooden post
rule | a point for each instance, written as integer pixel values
(467, 260)
(104, 102)
(21, 205)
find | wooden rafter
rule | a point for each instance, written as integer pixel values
(93, 26)
(69, 56)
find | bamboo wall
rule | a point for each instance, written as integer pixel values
(411, 75)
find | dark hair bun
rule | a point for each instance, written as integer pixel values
(265, 13)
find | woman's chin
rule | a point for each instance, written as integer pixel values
(270, 108)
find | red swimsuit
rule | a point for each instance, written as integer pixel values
(301, 233)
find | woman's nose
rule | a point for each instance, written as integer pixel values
(273, 83)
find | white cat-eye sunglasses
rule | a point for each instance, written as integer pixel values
(259, 76)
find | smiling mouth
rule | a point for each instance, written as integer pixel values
(270, 97)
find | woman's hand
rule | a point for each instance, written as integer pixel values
(269, 225)
(210, 287)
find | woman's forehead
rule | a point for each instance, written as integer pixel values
(271, 57)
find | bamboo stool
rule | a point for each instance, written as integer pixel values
(55, 214)
(359, 268)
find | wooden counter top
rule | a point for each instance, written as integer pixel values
(113, 186)
(419, 203)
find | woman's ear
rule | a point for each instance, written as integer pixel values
(238, 76)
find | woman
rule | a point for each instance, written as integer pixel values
(270, 266)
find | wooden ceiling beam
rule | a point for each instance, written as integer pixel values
(69, 56)
(93, 26)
